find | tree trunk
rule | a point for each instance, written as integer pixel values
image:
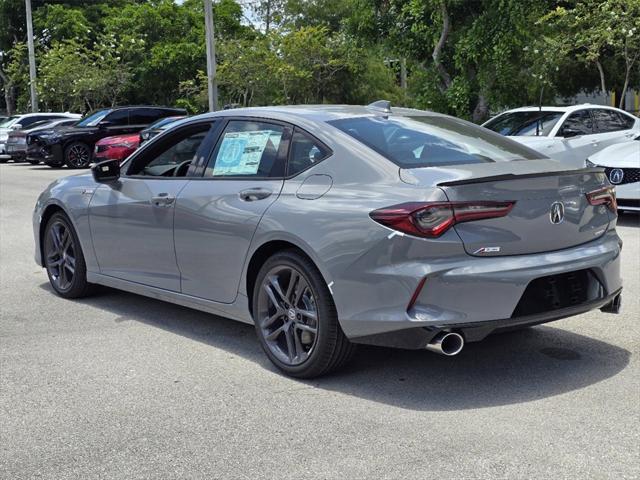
(481, 112)
(603, 87)
(629, 65)
(437, 51)
(9, 93)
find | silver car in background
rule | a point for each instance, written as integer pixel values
(329, 226)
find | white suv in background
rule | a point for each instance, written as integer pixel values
(18, 122)
(567, 134)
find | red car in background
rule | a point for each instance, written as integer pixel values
(118, 147)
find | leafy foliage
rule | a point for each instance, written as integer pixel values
(462, 57)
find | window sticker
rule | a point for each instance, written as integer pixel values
(240, 152)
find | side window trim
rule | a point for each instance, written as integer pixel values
(315, 140)
(191, 174)
(283, 153)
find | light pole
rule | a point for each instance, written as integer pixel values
(32, 59)
(212, 83)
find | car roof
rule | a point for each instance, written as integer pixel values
(318, 113)
(64, 114)
(158, 107)
(566, 108)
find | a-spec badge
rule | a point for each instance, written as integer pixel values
(487, 250)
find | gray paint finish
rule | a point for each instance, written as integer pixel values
(196, 251)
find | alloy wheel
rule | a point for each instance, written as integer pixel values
(60, 255)
(287, 315)
(78, 156)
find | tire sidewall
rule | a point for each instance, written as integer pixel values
(324, 304)
(79, 283)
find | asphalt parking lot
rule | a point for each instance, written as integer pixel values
(122, 386)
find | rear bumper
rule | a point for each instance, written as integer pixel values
(418, 338)
(481, 294)
(17, 152)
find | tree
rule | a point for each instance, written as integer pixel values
(598, 29)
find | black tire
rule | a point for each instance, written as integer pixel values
(60, 246)
(4, 160)
(329, 349)
(34, 162)
(77, 155)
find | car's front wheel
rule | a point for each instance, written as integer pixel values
(77, 155)
(296, 319)
(63, 258)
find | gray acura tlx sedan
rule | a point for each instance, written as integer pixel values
(330, 226)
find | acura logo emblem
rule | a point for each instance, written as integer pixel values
(556, 215)
(616, 175)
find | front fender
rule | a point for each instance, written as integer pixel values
(72, 195)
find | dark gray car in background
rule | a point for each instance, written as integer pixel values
(329, 226)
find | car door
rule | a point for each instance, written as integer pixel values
(217, 215)
(131, 220)
(578, 139)
(612, 127)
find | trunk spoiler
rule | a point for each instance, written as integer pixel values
(512, 176)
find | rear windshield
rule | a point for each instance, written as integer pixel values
(431, 141)
(524, 123)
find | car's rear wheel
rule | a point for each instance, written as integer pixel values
(63, 258)
(296, 319)
(77, 155)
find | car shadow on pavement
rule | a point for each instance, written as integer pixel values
(503, 369)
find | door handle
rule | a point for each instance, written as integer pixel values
(162, 200)
(253, 194)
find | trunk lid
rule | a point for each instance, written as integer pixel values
(537, 187)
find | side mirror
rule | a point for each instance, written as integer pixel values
(15, 126)
(106, 172)
(570, 132)
(104, 124)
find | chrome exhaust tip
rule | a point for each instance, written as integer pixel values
(446, 343)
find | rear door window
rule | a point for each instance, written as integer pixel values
(144, 116)
(119, 118)
(578, 123)
(249, 148)
(430, 141)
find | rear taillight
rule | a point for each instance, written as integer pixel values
(604, 196)
(433, 219)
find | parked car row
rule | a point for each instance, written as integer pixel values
(582, 135)
(20, 122)
(60, 139)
